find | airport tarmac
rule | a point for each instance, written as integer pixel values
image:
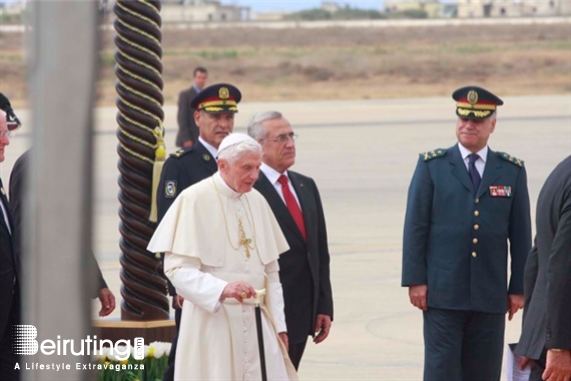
(362, 155)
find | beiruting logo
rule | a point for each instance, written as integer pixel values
(25, 343)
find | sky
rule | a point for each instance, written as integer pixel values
(295, 5)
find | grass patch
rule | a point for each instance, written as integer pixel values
(560, 45)
(216, 54)
(474, 49)
(10, 58)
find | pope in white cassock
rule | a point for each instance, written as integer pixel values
(221, 243)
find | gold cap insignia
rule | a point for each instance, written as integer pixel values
(472, 97)
(223, 93)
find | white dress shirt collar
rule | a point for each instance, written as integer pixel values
(480, 163)
(465, 152)
(273, 177)
(271, 173)
(209, 147)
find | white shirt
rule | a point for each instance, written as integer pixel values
(209, 147)
(480, 163)
(273, 177)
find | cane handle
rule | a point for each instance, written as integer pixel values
(259, 293)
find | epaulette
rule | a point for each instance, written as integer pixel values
(511, 159)
(434, 153)
(180, 152)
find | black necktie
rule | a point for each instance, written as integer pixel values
(474, 174)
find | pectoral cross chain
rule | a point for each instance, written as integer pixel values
(246, 242)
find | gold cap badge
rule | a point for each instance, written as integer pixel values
(472, 97)
(223, 93)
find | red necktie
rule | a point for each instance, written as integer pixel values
(292, 205)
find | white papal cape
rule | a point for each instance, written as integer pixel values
(199, 234)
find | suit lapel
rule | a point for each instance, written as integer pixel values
(6, 208)
(304, 196)
(206, 158)
(277, 204)
(459, 168)
(491, 172)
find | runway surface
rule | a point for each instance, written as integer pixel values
(362, 155)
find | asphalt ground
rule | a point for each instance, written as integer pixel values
(362, 155)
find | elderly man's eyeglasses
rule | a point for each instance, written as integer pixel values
(7, 133)
(283, 138)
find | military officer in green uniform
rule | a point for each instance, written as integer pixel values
(214, 116)
(465, 203)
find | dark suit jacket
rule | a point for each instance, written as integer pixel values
(18, 189)
(304, 269)
(182, 169)
(455, 240)
(547, 313)
(9, 267)
(187, 129)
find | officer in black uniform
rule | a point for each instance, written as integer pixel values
(10, 275)
(215, 108)
(464, 204)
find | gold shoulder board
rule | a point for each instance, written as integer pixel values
(432, 154)
(511, 159)
(178, 153)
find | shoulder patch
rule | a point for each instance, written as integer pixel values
(180, 152)
(434, 153)
(511, 159)
(170, 189)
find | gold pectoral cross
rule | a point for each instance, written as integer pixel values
(243, 240)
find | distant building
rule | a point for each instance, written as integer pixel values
(12, 7)
(546, 8)
(200, 11)
(488, 8)
(449, 10)
(433, 8)
(512, 8)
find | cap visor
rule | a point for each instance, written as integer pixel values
(473, 114)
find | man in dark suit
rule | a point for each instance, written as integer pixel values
(17, 196)
(546, 332)
(295, 201)
(9, 273)
(187, 130)
(214, 107)
(464, 204)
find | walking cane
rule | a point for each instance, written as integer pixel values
(260, 293)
